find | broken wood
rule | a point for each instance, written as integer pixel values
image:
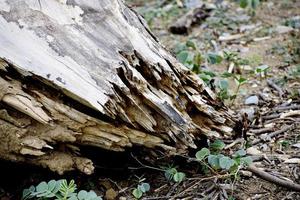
(90, 73)
(194, 16)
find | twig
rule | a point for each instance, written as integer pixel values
(287, 128)
(273, 179)
(291, 107)
(273, 116)
(276, 87)
(145, 166)
(275, 133)
(210, 177)
(240, 140)
(290, 113)
(262, 130)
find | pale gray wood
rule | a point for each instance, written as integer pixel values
(101, 54)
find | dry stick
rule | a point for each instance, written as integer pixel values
(275, 133)
(273, 179)
(240, 140)
(291, 107)
(262, 130)
(272, 116)
(283, 120)
(276, 87)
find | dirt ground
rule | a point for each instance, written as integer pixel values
(272, 38)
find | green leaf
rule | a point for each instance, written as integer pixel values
(27, 192)
(240, 153)
(214, 58)
(197, 60)
(204, 77)
(243, 3)
(144, 187)
(223, 84)
(210, 73)
(67, 189)
(183, 56)
(261, 68)
(241, 80)
(226, 162)
(180, 47)
(42, 187)
(82, 195)
(218, 145)
(137, 193)
(179, 177)
(191, 44)
(227, 75)
(91, 195)
(246, 161)
(202, 154)
(51, 185)
(254, 4)
(213, 161)
(169, 173)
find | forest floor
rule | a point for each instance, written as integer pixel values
(251, 58)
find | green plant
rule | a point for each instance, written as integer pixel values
(224, 86)
(189, 54)
(173, 174)
(284, 143)
(294, 72)
(219, 162)
(234, 61)
(59, 190)
(250, 4)
(261, 71)
(141, 189)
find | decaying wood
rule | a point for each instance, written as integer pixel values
(194, 16)
(89, 72)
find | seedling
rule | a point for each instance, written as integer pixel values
(173, 174)
(251, 5)
(141, 189)
(219, 162)
(59, 190)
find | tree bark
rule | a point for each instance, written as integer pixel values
(89, 72)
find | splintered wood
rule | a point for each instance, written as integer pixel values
(90, 73)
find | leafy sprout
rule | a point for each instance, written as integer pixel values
(59, 190)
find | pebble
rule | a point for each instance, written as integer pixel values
(250, 113)
(252, 100)
(283, 29)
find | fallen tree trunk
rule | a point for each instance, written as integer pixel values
(89, 72)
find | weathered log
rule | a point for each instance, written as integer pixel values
(183, 24)
(89, 72)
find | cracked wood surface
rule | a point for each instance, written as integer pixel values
(89, 72)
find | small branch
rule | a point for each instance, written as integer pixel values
(184, 23)
(262, 130)
(282, 108)
(276, 87)
(145, 166)
(273, 179)
(275, 133)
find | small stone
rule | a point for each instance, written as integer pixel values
(296, 145)
(283, 29)
(111, 194)
(250, 113)
(252, 100)
(253, 151)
